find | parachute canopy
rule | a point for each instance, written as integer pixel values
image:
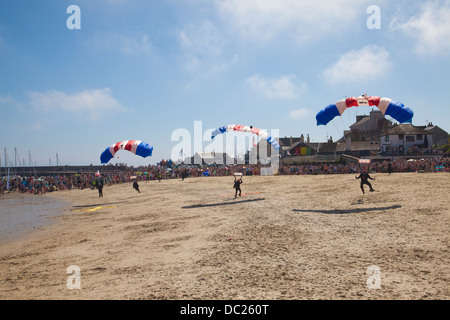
(240, 128)
(137, 147)
(387, 106)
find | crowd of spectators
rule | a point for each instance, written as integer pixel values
(168, 170)
(399, 165)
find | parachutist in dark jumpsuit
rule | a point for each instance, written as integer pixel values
(100, 188)
(136, 186)
(364, 176)
(237, 186)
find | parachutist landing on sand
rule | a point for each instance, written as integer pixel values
(237, 186)
(389, 168)
(136, 186)
(99, 186)
(364, 176)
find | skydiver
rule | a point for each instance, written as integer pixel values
(364, 180)
(237, 186)
(389, 168)
(136, 186)
(100, 187)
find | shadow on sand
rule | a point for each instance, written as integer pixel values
(99, 204)
(219, 204)
(348, 211)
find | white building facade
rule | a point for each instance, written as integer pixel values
(405, 139)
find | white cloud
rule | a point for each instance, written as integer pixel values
(131, 45)
(299, 113)
(39, 126)
(263, 20)
(8, 102)
(368, 63)
(284, 87)
(430, 28)
(90, 104)
(202, 45)
(103, 3)
(5, 100)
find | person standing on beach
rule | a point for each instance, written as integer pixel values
(364, 176)
(237, 186)
(389, 168)
(100, 187)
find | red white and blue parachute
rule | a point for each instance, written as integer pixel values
(250, 129)
(137, 147)
(387, 106)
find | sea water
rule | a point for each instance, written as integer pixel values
(22, 214)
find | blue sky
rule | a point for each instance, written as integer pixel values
(142, 69)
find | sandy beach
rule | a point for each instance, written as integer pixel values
(287, 238)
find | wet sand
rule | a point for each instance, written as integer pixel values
(288, 238)
(21, 214)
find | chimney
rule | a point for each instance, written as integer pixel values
(348, 142)
(290, 141)
(307, 139)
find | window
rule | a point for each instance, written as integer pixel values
(401, 137)
(419, 137)
(410, 138)
(386, 139)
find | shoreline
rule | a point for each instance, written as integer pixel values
(22, 214)
(289, 238)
